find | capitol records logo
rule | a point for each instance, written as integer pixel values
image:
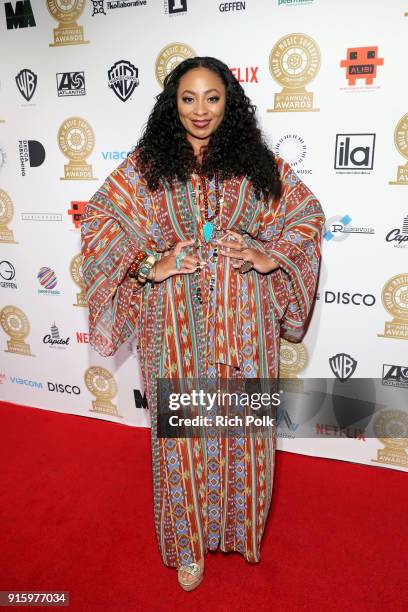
(102, 385)
(7, 275)
(395, 301)
(169, 57)
(31, 152)
(175, 7)
(66, 12)
(27, 83)
(339, 228)
(401, 144)
(343, 366)
(361, 63)
(293, 63)
(48, 281)
(76, 210)
(395, 376)
(123, 79)
(248, 74)
(76, 141)
(399, 237)
(21, 16)
(6, 215)
(16, 325)
(354, 153)
(54, 339)
(292, 148)
(391, 429)
(71, 84)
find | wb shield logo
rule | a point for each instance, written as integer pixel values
(123, 79)
(27, 83)
(343, 366)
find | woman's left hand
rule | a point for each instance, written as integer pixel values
(238, 250)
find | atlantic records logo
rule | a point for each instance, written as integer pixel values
(170, 57)
(27, 83)
(6, 215)
(354, 153)
(294, 62)
(32, 153)
(75, 212)
(7, 275)
(19, 14)
(78, 278)
(54, 338)
(395, 376)
(401, 144)
(66, 12)
(16, 325)
(391, 428)
(343, 366)
(293, 359)
(102, 385)
(71, 84)
(123, 79)
(76, 141)
(395, 301)
(361, 64)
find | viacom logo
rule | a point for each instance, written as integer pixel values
(354, 152)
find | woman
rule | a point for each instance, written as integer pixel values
(207, 246)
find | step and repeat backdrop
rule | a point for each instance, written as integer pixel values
(77, 81)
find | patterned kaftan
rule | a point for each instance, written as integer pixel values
(217, 491)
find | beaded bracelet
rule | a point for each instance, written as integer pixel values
(134, 266)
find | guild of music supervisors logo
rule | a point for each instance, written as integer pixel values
(6, 215)
(171, 56)
(102, 385)
(16, 325)
(391, 428)
(78, 278)
(76, 141)
(293, 359)
(401, 144)
(294, 62)
(66, 13)
(395, 301)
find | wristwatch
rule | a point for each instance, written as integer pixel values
(145, 267)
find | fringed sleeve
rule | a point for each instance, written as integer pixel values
(114, 227)
(291, 234)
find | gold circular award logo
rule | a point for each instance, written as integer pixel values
(6, 208)
(401, 136)
(76, 271)
(171, 56)
(100, 383)
(391, 428)
(14, 322)
(294, 60)
(76, 139)
(293, 358)
(65, 11)
(395, 296)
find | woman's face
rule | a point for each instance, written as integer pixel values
(201, 104)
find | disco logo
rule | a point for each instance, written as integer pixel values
(76, 210)
(344, 297)
(395, 375)
(248, 74)
(62, 388)
(71, 84)
(361, 63)
(48, 280)
(354, 152)
(175, 7)
(27, 83)
(399, 237)
(54, 340)
(343, 366)
(7, 275)
(31, 152)
(123, 79)
(19, 14)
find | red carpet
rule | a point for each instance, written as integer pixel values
(76, 515)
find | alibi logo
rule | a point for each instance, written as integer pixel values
(27, 83)
(354, 153)
(343, 366)
(175, 7)
(19, 14)
(75, 212)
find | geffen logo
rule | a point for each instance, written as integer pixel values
(339, 228)
(123, 79)
(399, 236)
(395, 375)
(71, 84)
(7, 275)
(361, 63)
(175, 7)
(354, 152)
(343, 366)
(225, 7)
(31, 152)
(76, 210)
(48, 280)
(345, 297)
(27, 83)
(247, 74)
(19, 14)
(54, 340)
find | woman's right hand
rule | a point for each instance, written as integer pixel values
(166, 266)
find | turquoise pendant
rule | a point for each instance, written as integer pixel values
(208, 230)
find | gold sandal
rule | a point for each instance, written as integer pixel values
(194, 569)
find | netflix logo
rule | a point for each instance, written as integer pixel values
(82, 337)
(248, 74)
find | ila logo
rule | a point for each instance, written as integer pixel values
(123, 79)
(354, 152)
(27, 83)
(20, 16)
(343, 366)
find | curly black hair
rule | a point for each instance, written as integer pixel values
(236, 148)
